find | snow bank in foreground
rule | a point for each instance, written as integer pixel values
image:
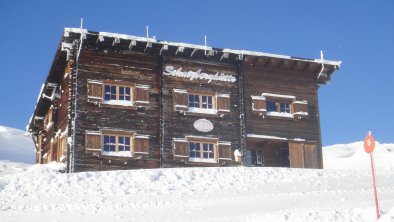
(8, 167)
(15, 146)
(353, 157)
(193, 194)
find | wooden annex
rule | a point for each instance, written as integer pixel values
(114, 101)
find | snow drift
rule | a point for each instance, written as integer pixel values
(353, 157)
(41, 193)
(342, 192)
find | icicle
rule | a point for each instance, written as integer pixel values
(205, 44)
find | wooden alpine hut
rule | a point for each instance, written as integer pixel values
(116, 101)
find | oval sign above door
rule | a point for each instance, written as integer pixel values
(203, 125)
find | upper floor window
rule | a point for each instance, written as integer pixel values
(114, 92)
(277, 105)
(200, 101)
(281, 107)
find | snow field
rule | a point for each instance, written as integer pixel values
(193, 194)
(341, 192)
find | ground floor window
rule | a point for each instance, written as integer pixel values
(116, 143)
(200, 151)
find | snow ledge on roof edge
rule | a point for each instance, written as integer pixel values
(201, 47)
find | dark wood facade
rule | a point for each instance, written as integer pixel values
(122, 102)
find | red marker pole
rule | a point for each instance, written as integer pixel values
(369, 145)
(374, 186)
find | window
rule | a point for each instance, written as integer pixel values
(201, 103)
(113, 92)
(115, 143)
(202, 152)
(281, 107)
(271, 106)
(124, 93)
(117, 94)
(284, 107)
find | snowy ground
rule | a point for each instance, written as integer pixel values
(341, 193)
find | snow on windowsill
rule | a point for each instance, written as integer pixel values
(140, 86)
(278, 96)
(95, 97)
(301, 102)
(266, 137)
(180, 91)
(278, 114)
(118, 103)
(224, 95)
(202, 160)
(224, 158)
(181, 106)
(301, 113)
(258, 98)
(121, 153)
(200, 110)
(144, 102)
(224, 143)
(260, 110)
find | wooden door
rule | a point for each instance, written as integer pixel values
(296, 154)
(311, 155)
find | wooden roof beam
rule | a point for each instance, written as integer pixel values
(148, 45)
(224, 55)
(210, 53)
(164, 47)
(194, 51)
(179, 49)
(100, 38)
(132, 44)
(116, 41)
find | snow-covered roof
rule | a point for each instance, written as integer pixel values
(198, 47)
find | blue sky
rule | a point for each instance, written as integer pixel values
(359, 33)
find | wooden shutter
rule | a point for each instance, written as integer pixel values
(95, 91)
(93, 142)
(223, 102)
(141, 95)
(141, 144)
(296, 154)
(180, 100)
(311, 155)
(180, 149)
(225, 151)
(259, 105)
(300, 109)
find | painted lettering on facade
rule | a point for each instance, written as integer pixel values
(195, 75)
